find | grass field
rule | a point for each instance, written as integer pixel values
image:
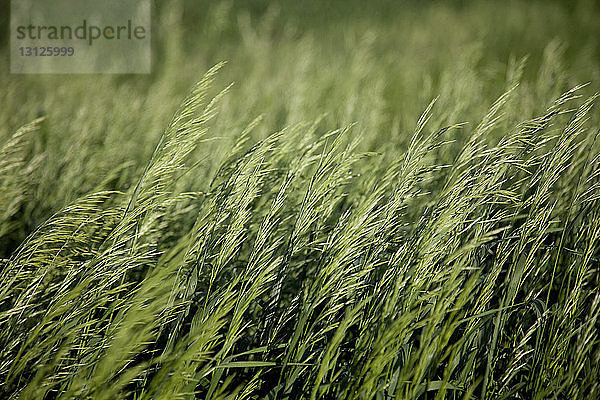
(310, 200)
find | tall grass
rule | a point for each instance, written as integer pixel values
(388, 227)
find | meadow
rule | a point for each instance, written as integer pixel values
(310, 200)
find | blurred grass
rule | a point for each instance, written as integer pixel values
(399, 54)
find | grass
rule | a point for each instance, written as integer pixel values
(397, 202)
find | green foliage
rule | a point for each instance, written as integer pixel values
(336, 246)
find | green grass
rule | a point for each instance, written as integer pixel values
(400, 201)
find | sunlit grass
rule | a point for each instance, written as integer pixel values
(393, 211)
